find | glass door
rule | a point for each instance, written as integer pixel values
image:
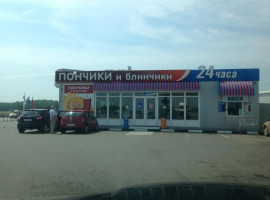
(139, 108)
(151, 108)
(146, 111)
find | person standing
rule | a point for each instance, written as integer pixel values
(52, 119)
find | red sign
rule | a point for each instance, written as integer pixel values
(121, 76)
(79, 89)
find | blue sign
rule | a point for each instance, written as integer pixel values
(149, 94)
(139, 106)
(221, 107)
(235, 98)
(212, 74)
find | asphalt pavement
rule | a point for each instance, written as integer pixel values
(34, 165)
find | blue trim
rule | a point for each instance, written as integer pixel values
(225, 75)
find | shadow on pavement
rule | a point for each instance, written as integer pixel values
(29, 132)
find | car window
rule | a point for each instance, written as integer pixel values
(86, 114)
(30, 113)
(73, 114)
(91, 116)
(45, 113)
(61, 114)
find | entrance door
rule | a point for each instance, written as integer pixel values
(139, 106)
(145, 114)
(151, 108)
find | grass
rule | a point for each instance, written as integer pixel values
(4, 113)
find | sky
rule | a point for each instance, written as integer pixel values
(37, 37)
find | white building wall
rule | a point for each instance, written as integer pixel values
(264, 97)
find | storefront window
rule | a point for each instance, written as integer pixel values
(127, 107)
(234, 108)
(192, 94)
(178, 94)
(164, 94)
(150, 94)
(127, 94)
(114, 107)
(164, 107)
(178, 108)
(192, 108)
(101, 107)
(114, 94)
(101, 94)
(139, 93)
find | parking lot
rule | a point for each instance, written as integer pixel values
(57, 165)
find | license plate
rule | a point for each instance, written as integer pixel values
(27, 120)
(70, 125)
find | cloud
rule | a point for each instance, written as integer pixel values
(19, 76)
(163, 9)
(169, 34)
(20, 17)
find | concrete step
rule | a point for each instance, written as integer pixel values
(144, 128)
(167, 130)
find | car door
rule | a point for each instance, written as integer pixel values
(46, 117)
(92, 123)
(87, 119)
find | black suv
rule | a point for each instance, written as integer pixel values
(34, 119)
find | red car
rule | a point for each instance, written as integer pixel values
(79, 120)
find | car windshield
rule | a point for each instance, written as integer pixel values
(30, 113)
(73, 114)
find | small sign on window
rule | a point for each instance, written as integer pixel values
(221, 107)
(235, 98)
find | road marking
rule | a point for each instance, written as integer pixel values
(139, 133)
(225, 136)
(186, 134)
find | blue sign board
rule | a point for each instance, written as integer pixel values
(211, 74)
(221, 107)
(235, 98)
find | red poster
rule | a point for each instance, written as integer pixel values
(78, 97)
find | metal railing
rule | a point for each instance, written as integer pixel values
(7, 119)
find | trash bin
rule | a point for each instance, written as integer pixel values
(126, 126)
(163, 123)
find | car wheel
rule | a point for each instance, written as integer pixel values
(96, 128)
(265, 131)
(63, 130)
(21, 130)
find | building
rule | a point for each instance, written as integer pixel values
(204, 99)
(264, 109)
(264, 96)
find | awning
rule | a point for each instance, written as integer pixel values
(147, 86)
(236, 88)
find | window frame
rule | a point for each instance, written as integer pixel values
(109, 105)
(227, 109)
